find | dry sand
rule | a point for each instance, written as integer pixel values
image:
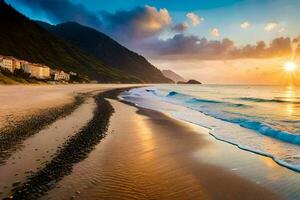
(42, 146)
(18, 101)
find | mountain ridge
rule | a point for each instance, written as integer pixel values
(103, 47)
(24, 39)
(173, 75)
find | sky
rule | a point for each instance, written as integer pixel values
(214, 41)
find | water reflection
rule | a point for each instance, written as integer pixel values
(289, 95)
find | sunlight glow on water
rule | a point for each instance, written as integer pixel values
(262, 119)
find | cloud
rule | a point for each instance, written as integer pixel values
(139, 23)
(180, 27)
(214, 32)
(278, 47)
(270, 26)
(281, 30)
(245, 25)
(192, 47)
(59, 11)
(194, 18)
(183, 46)
(141, 27)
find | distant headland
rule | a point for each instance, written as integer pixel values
(192, 81)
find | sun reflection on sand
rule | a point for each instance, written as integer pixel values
(145, 134)
(271, 176)
(268, 162)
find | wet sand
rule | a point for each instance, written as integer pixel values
(147, 155)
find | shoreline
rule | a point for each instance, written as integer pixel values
(147, 154)
(156, 151)
(234, 179)
(202, 116)
(277, 161)
(281, 168)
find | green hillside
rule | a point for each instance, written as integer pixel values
(107, 50)
(24, 39)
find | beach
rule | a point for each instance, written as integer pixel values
(19, 101)
(151, 159)
(109, 149)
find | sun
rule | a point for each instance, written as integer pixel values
(289, 66)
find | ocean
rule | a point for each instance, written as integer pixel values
(261, 119)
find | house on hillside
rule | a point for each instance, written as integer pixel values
(59, 75)
(36, 70)
(16, 64)
(73, 73)
(7, 63)
(10, 63)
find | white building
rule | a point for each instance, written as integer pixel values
(16, 64)
(7, 63)
(36, 70)
(73, 73)
(10, 63)
(60, 75)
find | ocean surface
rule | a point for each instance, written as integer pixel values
(261, 119)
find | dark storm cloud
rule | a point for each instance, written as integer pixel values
(62, 10)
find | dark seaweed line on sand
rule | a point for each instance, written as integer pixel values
(12, 138)
(73, 151)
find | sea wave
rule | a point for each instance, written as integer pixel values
(257, 126)
(198, 100)
(190, 99)
(216, 110)
(275, 100)
(175, 94)
(267, 130)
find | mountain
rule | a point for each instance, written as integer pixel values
(173, 76)
(24, 39)
(106, 49)
(192, 81)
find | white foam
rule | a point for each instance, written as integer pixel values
(243, 138)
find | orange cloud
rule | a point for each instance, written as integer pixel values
(239, 71)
